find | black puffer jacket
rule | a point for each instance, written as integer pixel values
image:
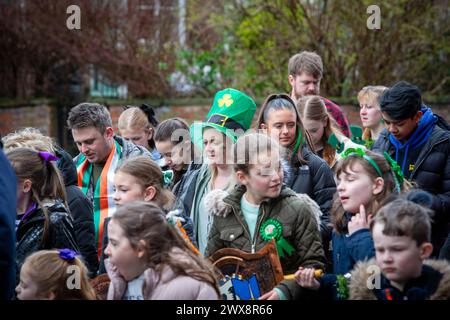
(81, 211)
(431, 173)
(315, 179)
(184, 190)
(30, 232)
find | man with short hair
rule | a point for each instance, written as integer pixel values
(305, 73)
(100, 153)
(419, 141)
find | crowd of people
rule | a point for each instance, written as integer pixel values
(150, 204)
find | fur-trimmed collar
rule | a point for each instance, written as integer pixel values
(220, 203)
(214, 200)
(360, 279)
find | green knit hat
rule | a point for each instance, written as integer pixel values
(231, 110)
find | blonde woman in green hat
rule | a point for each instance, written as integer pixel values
(231, 115)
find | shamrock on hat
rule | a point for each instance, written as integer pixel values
(231, 110)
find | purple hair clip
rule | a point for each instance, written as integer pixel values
(47, 156)
(67, 254)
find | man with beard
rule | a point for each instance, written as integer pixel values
(305, 73)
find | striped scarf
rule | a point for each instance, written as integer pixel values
(104, 205)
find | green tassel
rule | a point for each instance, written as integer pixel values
(283, 245)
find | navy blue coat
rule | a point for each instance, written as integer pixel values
(348, 250)
(8, 187)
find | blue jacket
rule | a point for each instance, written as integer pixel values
(8, 187)
(348, 250)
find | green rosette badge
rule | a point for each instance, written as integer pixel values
(273, 229)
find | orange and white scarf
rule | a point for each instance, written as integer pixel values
(103, 192)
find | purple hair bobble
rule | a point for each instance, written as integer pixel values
(47, 156)
(67, 254)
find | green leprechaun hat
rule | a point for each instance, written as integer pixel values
(232, 112)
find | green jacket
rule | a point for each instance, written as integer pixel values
(300, 229)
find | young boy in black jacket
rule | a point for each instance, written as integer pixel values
(419, 141)
(401, 233)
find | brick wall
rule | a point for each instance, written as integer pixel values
(41, 117)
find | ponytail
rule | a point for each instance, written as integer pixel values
(46, 180)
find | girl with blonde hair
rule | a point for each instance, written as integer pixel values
(47, 274)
